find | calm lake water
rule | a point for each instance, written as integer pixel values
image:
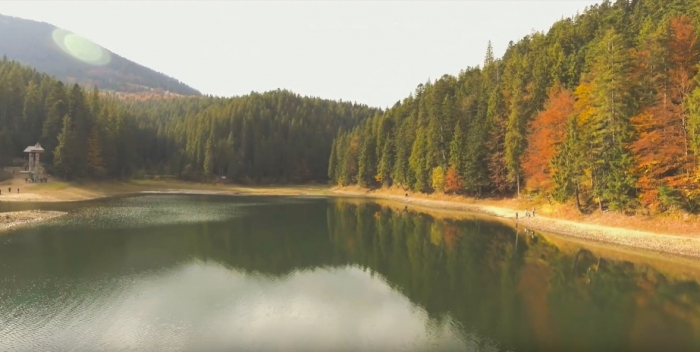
(216, 273)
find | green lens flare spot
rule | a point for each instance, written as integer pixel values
(81, 48)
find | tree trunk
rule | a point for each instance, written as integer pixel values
(578, 201)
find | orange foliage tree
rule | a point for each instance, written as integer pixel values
(545, 132)
(453, 181)
(662, 146)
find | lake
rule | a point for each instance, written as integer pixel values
(224, 273)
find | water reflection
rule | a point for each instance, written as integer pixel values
(520, 290)
(233, 273)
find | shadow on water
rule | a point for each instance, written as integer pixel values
(499, 289)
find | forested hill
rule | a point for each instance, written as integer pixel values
(74, 59)
(261, 138)
(602, 110)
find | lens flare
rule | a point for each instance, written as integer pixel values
(81, 48)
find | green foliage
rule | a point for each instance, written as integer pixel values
(670, 198)
(568, 163)
(271, 137)
(64, 156)
(437, 179)
(419, 163)
(367, 166)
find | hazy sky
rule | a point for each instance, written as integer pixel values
(369, 52)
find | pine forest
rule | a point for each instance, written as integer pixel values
(601, 111)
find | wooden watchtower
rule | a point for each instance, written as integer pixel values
(34, 165)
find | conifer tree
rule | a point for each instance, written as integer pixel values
(418, 161)
(96, 164)
(367, 164)
(386, 163)
(333, 161)
(608, 129)
(568, 164)
(33, 111)
(209, 158)
(64, 155)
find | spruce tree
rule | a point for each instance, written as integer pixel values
(209, 158)
(418, 162)
(386, 163)
(568, 164)
(95, 162)
(64, 156)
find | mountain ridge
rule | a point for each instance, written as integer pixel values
(74, 59)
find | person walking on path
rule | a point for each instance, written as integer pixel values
(533, 212)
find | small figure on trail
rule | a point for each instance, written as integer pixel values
(527, 214)
(533, 212)
(9, 189)
(18, 190)
(516, 215)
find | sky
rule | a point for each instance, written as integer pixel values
(373, 53)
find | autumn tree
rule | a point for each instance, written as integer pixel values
(453, 181)
(545, 132)
(437, 179)
(663, 147)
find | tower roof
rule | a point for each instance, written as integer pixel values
(34, 149)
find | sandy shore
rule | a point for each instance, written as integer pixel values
(17, 219)
(686, 246)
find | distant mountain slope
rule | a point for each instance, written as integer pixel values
(72, 58)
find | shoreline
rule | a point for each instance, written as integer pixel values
(17, 219)
(659, 242)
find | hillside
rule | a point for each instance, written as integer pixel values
(602, 110)
(271, 137)
(74, 59)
